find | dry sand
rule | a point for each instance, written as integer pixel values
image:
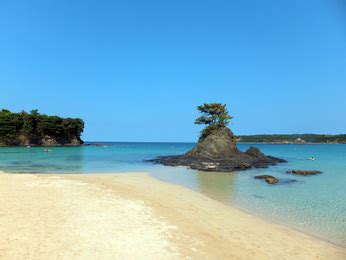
(133, 216)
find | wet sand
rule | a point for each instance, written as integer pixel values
(134, 216)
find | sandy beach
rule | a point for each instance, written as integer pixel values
(134, 216)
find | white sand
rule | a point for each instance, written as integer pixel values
(133, 216)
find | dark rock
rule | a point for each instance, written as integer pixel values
(254, 151)
(268, 178)
(218, 152)
(304, 172)
(46, 140)
(220, 143)
(56, 141)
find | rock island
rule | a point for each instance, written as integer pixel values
(217, 147)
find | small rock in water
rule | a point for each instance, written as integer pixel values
(268, 178)
(304, 172)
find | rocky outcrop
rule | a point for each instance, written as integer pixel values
(255, 152)
(45, 141)
(304, 172)
(268, 178)
(217, 151)
(219, 143)
(51, 141)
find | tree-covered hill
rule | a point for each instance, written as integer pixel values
(39, 129)
(293, 138)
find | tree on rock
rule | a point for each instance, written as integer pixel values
(214, 115)
(216, 149)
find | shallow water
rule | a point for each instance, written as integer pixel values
(315, 204)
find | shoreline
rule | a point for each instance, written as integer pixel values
(183, 225)
(289, 143)
(87, 144)
(291, 227)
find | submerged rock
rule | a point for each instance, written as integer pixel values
(268, 178)
(217, 151)
(287, 181)
(304, 172)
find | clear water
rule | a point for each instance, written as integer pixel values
(316, 204)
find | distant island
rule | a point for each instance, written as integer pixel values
(293, 138)
(26, 129)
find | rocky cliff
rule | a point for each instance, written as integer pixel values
(217, 151)
(44, 141)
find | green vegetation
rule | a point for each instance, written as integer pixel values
(31, 128)
(214, 115)
(293, 138)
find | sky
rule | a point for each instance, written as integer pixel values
(136, 70)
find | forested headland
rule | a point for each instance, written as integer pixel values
(33, 128)
(292, 138)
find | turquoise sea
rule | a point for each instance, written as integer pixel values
(315, 205)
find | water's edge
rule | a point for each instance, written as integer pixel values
(312, 205)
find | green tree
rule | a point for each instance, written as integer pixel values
(10, 124)
(213, 114)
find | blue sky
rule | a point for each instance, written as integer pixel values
(136, 70)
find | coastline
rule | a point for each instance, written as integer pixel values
(287, 143)
(101, 143)
(107, 215)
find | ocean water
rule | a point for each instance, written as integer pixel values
(315, 205)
